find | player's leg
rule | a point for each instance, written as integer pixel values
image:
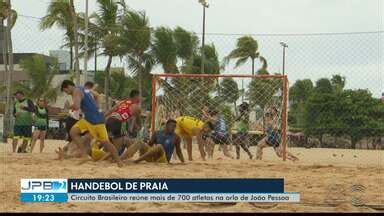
(42, 139)
(200, 144)
(35, 137)
(189, 147)
(27, 137)
(99, 132)
(152, 154)
(14, 143)
(225, 142)
(133, 148)
(244, 143)
(237, 141)
(279, 152)
(260, 146)
(75, 132)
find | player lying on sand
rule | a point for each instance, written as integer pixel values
(273, 137)
(93, 120)
(188, 127)
(160, 147)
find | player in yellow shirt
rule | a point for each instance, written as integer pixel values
(188, 127)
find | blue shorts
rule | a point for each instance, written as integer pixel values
(273, 139)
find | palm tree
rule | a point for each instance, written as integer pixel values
(41, 75)
(6, 12)
(59, 13)
(136, 40)
(164, 49)
(246, 48)
(186, 44)
(76, 45)
(105, 26)
(263, 70)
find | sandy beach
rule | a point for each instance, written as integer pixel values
(323, 177)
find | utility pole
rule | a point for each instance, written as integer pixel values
(284, 46)
(205, 5)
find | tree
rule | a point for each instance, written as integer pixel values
(186, 44)
(299, 93)
(41, 74)
(76, 40)
(164, 49)
(323, 85)
(59, 13)
(211, 61)
(11, 15)
(263, 70)
(321, 115)
(261, 92)
(105, 26)
(136, 39)
(229, 91)
(246, 48)
(338, 83)
(361, 114)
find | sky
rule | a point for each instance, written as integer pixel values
(359, 57)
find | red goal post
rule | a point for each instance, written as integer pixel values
(174, 95)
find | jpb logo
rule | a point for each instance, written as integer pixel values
(43, 185)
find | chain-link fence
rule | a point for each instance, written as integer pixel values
(341, 111)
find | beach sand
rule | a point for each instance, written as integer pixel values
(323, 177)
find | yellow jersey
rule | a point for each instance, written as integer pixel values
(186, 124)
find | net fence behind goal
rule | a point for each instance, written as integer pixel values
(256, 104)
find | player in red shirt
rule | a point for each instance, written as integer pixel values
(123, 111)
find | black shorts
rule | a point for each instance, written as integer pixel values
(220, 139)
(22, 132)
(114, 127)
(41, 128)
(241, 138)
(69, 122)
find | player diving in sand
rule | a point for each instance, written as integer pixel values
(273, 137)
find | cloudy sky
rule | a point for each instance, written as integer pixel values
(359, 57)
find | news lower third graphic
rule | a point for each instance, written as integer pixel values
(155, 190)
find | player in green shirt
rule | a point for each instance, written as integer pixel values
(242, 136)
(23, 111)
(41, 124)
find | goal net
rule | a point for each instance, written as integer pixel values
(256, 103)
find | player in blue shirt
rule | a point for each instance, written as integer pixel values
(93, 121)
(220, 134)
(160, 147)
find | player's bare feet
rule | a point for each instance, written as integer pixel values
(60, 154)
(120, 164)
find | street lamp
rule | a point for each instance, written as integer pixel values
(205, 5)
(284, 46)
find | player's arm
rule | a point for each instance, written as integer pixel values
(77, 96)
(152, 141)
(179, 152)
(199, 135)
(109, 112)
(30, 107)
(96, 95)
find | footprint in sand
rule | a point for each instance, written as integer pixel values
(334, 155)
